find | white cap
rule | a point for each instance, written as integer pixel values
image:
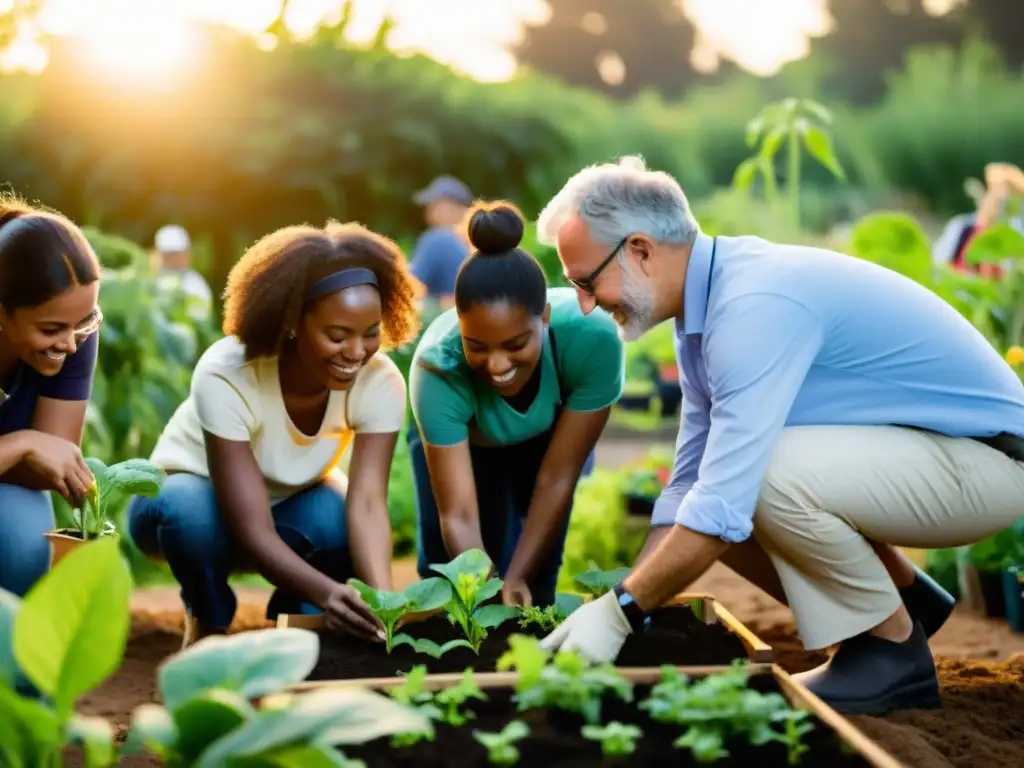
(172, 239)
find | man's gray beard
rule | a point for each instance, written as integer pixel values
(637, 303)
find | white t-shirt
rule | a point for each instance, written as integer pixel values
(239, 400)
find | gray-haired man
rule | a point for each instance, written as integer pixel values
(832, 411)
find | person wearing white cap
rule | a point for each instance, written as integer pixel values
(174, 248)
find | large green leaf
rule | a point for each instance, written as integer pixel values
(597, 581)
(152, 729)
(428, 594)
(303, 756)
(251, 663)
(489, 616)
(28, 730)
(326, 717)
(473, 561)
(208, 717)
(71, 632)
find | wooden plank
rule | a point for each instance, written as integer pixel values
(799, 696)
(757, 649)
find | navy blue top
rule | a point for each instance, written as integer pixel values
(436, 260)
(72, 382)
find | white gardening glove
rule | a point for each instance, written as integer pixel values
(596, 630)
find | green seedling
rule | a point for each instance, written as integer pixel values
(450, 699)
(501, 749)
(413, 694)
(550, 617)
(720, 706)
(134, 477)
(617, 739)
(596, 582)
(567, 682)
(471, 588)
(390, 607)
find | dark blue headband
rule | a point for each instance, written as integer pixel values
(339, 281)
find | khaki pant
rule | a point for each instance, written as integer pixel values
(827, 488)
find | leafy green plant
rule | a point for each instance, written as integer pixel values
(597, 582)
(551, 616)
(413, 693)
(567, 681)
(134, 477)
(471, 588)
(390, 607)
(719, 706)
(795, 123)
(207, 718)
(449, 700)
(617, 739)
(501, 749)
(64, 639)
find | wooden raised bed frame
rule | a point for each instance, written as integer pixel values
(706, 607)
(797, 695)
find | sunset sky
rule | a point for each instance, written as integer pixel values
(470, 35)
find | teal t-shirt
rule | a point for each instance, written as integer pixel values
(452, 403)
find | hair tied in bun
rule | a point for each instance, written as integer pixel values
(495, 228)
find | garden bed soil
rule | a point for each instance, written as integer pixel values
(555, 739)
(676, 636)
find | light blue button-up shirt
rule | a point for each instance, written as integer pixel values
(778, 335)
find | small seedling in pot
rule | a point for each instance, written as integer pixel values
(449, 700)
(390, 607)
(134, 477)
(501, 749)
(471, 588)
(550, 617)
(596, 582)
(617, 739)
(720, 706)
(567, 682)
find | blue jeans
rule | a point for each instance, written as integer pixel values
(25, 516)
(183, 525)
(504, 477)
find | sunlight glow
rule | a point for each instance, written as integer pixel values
(131, 42)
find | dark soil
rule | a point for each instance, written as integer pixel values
(675, 637)
(555, 740)
(71, 533)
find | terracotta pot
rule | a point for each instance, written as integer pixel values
(60, 545)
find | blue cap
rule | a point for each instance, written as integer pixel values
(444, 187)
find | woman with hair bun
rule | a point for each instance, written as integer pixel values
(511, 389)
(49, 323)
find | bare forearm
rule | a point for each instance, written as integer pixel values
(460, 531)
(277, 563)
(22, 474)
(13, 448)
(544, 520)
(680, 558)
(370, 545)
(654, 538)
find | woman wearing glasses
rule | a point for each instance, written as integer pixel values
(511, 389)
(49, 318)
(252, 455)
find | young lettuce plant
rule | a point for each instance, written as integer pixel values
(617, 739)
(550, 617)
(596, 582)
(567, 681)
(719, 706)
(471, 588)
(390, 607)
(501, 749)
(443, 706)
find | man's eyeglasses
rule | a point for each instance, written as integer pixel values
(586, 284)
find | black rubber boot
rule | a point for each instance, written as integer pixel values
(927, 602)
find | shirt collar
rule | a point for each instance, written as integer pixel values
(695, 288)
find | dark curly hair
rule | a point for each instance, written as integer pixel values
(499, 270)
(42, 255)
(265, 293)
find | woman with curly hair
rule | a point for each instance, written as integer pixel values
(511, 389)
(252, 455)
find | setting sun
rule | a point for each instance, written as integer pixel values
(130, 42)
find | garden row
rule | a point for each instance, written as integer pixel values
(287, 697)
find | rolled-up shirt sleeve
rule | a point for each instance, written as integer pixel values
(758, 352)
(694, 422)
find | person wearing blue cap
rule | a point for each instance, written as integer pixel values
(442, 248)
